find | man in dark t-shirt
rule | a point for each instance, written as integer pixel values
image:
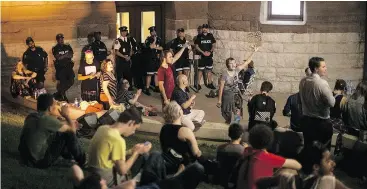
(88, 73)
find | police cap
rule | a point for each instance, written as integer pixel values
(205, 26)
(180, 30)
(29, 39)
(59, 36)
(97, 32)
(123, 28)
(151, 29)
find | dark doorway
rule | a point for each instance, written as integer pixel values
(139, 16)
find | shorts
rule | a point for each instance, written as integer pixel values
(182, 65)
(152, 67)
(205, 63)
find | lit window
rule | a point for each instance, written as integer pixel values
(147, 20)
(122, 20)
(285, 12)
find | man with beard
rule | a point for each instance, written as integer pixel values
(89, 73)
(63, 54)
(99, 48)
(154, 43)
(36, 60)
(124, 49)
(183, 64)
(205, 44)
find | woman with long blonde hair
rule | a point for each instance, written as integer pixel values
(23, 81)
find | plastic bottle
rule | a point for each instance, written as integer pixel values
(76, 103)
(237, 117)
(35, 94)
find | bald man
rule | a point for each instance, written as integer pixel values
(192, 118)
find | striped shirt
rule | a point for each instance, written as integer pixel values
(112, 84)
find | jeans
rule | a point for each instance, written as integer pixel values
(154, 171)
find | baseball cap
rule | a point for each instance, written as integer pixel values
(59, 36)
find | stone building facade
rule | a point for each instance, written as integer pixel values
(333, 30)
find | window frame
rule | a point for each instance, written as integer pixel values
(285, 17)
(267, 18)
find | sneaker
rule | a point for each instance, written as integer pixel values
(211, 86)
(199, 87)
(146, 91)
(156, 89)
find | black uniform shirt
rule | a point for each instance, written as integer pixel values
(205, 42)
(63, 53)
(35, 60)
(154, 52)
(99, 50)
(177, 45)
(86, 69)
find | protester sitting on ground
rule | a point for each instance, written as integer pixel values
(180, 139)
(107, 149)
(262, 107)
(108, 84)
(192, 118)
(128, 98)
(89, 73)
(354, 110)
(293, 108)
(322, 176)
(286, 179)
(261, 163)
(229, 153)
(41, 127)
(335, 112)
(23, 81)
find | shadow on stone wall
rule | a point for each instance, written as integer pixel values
(7, 66)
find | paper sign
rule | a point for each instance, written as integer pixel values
(90, 69)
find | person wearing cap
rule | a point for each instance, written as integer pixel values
(205, 44)
(89, 73)
(65, 75)
(124, 48)
(99, 48)
(88, 46)
(36, 60)
(182, 65)
(154, 43)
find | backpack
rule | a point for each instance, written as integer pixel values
(263, 110)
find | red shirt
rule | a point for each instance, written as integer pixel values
(262, 164)
(166, 75)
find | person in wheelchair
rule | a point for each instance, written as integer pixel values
(229, 92)
(245, 77)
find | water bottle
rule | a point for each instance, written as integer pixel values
(237, 117)
(35, 94)
(76, 103)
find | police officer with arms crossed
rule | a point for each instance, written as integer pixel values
(182, 65)
(154, 43)
(99, 48)
(35, 58)
(63, 54)
(124, 46)
(205, 44)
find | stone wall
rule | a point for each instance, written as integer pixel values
(43, 20)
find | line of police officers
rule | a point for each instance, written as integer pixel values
(146, 58)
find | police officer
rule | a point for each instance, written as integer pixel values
(124, 49)
(36, 60)
(63, 54)
(99, 48)
(88, 46)
(154, 43)
(183, 64)
(205, 44)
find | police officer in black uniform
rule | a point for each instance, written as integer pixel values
(65, 75)
(99, 48)
(183, 64)
(205, 44)
(36, 60)
(124, 48)
(88, 46)
(154, 43)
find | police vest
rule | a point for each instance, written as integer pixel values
(125, 46)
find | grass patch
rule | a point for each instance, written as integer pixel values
(16, 176)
